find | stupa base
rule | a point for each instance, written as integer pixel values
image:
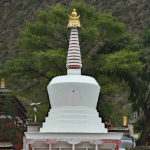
(73, 119)
(72, 141)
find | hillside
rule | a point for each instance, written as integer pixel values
(15, 13)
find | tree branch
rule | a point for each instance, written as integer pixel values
(41, 74)
(94, 50)
(57, 66)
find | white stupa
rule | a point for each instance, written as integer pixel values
(73, 97)
(73, 117)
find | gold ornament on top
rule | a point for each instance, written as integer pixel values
(2, 83)
(125, 122)
(74, 20)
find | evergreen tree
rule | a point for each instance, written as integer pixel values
(140, 90)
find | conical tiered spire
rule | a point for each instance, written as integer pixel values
(74, 63)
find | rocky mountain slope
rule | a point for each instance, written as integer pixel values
(15, 13)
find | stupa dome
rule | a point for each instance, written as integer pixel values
(73, 90)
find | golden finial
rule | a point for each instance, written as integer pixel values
(74, 20)
(2, 83)
(125, 123)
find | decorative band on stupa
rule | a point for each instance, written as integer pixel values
(74, 55)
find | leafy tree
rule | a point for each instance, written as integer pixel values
(123, 61)
(140, 97)
(117, 67)
(140, 92)
(108, 52)
(125, 41)
(136, 75)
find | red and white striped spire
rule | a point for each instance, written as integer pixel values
(74, 63)
(74, 56)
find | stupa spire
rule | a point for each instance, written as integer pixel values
(74, 63)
